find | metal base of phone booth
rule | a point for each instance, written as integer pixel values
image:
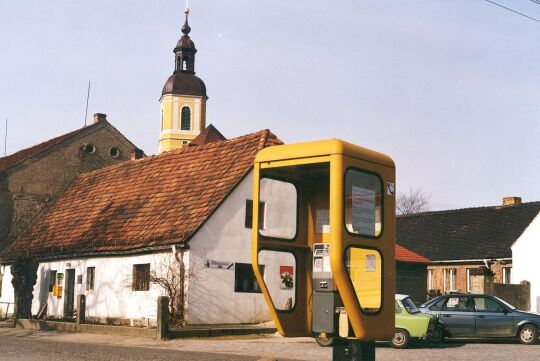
(353, 350)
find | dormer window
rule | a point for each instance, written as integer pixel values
(185, 123)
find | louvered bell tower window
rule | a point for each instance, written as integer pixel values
(186, 119)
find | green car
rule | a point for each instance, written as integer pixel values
(410, 324)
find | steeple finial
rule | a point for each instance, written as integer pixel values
(185, 28)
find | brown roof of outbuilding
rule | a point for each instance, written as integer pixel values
(142, 204)
(465, 234)
(209, 135)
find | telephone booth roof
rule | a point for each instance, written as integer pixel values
(321, 148)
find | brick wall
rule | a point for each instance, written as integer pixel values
(411, 280)
(26, 189)
(461, 274)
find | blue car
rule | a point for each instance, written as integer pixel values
(466, 315)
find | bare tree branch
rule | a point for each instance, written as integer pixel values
(415, 201)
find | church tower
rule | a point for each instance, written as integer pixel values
(183, 100)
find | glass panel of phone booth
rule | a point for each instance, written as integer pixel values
(363, 203)
(364, 267)
(300, 218)
(280, 208)
(280, 278)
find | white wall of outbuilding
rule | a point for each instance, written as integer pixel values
(525, 258)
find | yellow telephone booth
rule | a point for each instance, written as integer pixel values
(324, 239)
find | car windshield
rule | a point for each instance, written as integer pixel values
(505, 303)
(431, 302)
(409, 305)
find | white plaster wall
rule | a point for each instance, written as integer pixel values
(525, 257)
(7, 295)
(211, 298)
(112, 296)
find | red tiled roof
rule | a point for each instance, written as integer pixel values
(405, 255)
(209, 135)
(146, 203)
(15, 158)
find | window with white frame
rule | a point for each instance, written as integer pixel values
(185, 120)
(430, 283)
(450, 279)
(141, 277)
(90, 276)
(52, 280)
(507, 275)
(470, 273)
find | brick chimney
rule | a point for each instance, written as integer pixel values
(511, 201)
(136, 154)
(98, 117)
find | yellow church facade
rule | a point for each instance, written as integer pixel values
(182, 119)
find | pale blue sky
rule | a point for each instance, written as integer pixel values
(449, 89)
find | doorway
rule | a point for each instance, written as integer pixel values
(69, 293)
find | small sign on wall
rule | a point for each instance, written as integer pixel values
(218, 265)
(57, 291)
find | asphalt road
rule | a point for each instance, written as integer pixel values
(19, 345)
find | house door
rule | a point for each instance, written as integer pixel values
(69, 293)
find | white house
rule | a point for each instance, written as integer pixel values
(525, 252)
(115, 226)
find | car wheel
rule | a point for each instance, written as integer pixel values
(324, 341)
(437, 335)
(401, 338)
(528, 334)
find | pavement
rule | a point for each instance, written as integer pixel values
(29, 345)
(183, 332)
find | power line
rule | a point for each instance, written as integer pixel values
(515, 12)
(535, 1)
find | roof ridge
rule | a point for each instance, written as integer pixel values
(262, 140)
(470, 209)
(45, 144)
(178, 151)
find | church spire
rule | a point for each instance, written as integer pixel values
(185, 49)
(183, 99)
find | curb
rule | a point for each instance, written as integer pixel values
(216, 332)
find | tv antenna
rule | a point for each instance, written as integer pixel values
(5, 139)
(87, 98)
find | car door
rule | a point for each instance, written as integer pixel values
(458, 317)
(492, 318)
